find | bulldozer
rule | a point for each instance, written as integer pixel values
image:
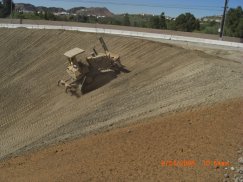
(83, 73)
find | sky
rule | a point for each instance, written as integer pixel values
(171, 8)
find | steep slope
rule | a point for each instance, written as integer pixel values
(163, 78)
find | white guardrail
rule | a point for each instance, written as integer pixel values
(127, 33)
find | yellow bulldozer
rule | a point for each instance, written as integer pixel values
(81, 73)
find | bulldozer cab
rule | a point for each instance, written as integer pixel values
(75, 69)
(72, 54)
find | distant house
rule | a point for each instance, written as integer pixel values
(61, 13)
(100, 16)
(169, 18)
(27, 11)
(210, 19)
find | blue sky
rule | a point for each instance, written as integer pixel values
(171, 7)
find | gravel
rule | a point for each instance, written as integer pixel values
(240, 160)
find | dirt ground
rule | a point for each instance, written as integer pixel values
(164, 79)
(136, 152)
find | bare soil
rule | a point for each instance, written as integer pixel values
(164, 79)
(135, 153)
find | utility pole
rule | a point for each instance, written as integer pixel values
(223, 20)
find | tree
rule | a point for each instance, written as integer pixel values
(126, 20)
(239, 29)
(187, 22)
(1, 10)
(171, 24)
(41, 15)
(49, 16)
(5, 8)
(234, 21)
(155, 22)
(162, 21)
(45, 15)
(82, 18)
(135, 24)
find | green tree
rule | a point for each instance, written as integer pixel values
(126, 20)
(116, 22)
(171, 24)
(233, 24)
(158, 22)
(239, 29)
(212, 23)
(82, 18)
(162, 21)
(45, 15)
(48, 16)
(5, 8)
(51, 16)
(41, 15)
(1, 10)
(155, 22)
(187, 22)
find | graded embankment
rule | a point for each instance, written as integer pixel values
(163, 78)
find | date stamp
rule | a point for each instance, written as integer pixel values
(178, 163)
(192, 163)
(215, 163)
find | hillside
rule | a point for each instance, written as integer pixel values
(50, 9)
(163, 79)
(91, 11)
(25, 7)
(97, 11)
(32, 8)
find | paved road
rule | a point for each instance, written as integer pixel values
(131, 31)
